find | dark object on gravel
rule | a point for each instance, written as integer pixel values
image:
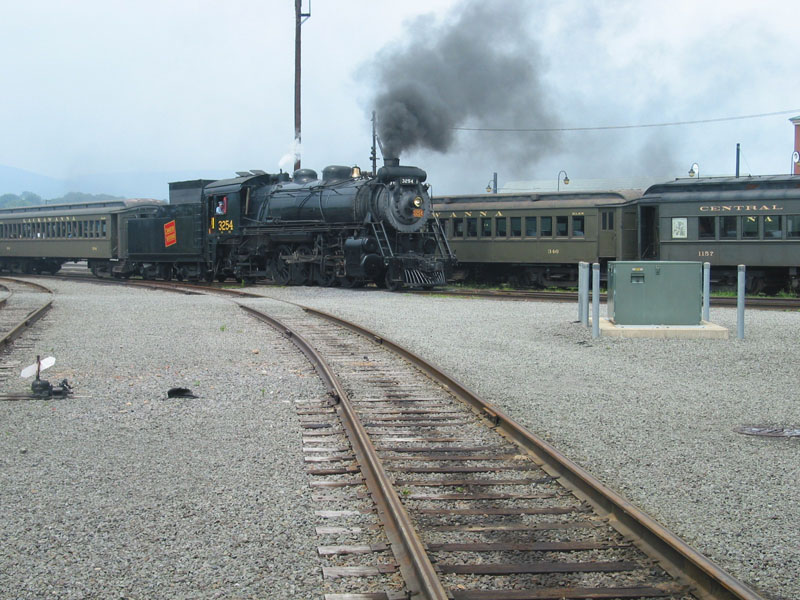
(179, 392)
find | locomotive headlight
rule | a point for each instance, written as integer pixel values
(417, 202)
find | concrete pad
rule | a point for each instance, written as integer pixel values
(705, 331)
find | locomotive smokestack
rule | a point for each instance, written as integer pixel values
(391, 162)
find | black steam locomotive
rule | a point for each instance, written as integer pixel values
(345, 228)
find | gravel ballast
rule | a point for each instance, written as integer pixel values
(653, 419)
(120, 492)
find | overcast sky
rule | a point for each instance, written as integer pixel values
(93, 86)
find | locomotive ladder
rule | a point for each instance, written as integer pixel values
(441, 238)
(383, 240)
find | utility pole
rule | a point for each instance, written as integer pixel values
(300, 18)
(374, 155)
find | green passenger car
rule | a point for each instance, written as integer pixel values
(727, 221)
(41, 238)
(537, 239)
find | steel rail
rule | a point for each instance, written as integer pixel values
(768, 303)
(31, 317)
(705, 579)
(418, 572)
(32, 284)
(29, 320)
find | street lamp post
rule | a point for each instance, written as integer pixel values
(694, 170)
(558, 179)
(491, 187)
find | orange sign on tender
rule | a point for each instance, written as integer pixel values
(170, 236)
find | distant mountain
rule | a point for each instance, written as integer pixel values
(16, 181)
(144, 184)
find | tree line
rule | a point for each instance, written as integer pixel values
(31, 199)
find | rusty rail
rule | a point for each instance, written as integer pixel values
(30, 318)
(705, 579)
(418, 572)
(760, 302)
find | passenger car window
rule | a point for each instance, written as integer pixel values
(486, 227)
(472, 227)
(727, 227)
(530, 226)
(706, 228)
(577, 226)
(516, 226)
(561, 226)
(458, 227)
(793, 226)
(750, 227)
(547, 226)
(500, 227)
(608, 220)
(772, 227)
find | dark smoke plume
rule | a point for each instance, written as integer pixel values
(479, 67)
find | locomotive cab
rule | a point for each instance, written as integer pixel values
(223, 210)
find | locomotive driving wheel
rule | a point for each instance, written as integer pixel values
(349, 282)
(325, 277)
(301, 271)
(279, 268)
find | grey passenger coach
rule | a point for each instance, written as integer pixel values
(727, 221)
(41, 238)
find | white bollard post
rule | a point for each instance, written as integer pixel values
(706, 290)
(586, 285)
(596, 300)
(740, 303)
(582, 289)
(580, 292)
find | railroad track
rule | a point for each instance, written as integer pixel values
(467, 504)
(773, 303)
(766, 303)
(22, 303)
(473, 506)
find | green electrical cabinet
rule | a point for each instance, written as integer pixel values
(655, 293)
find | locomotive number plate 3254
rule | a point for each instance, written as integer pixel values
(408, 181)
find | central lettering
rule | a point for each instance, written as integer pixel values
(739, 207)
